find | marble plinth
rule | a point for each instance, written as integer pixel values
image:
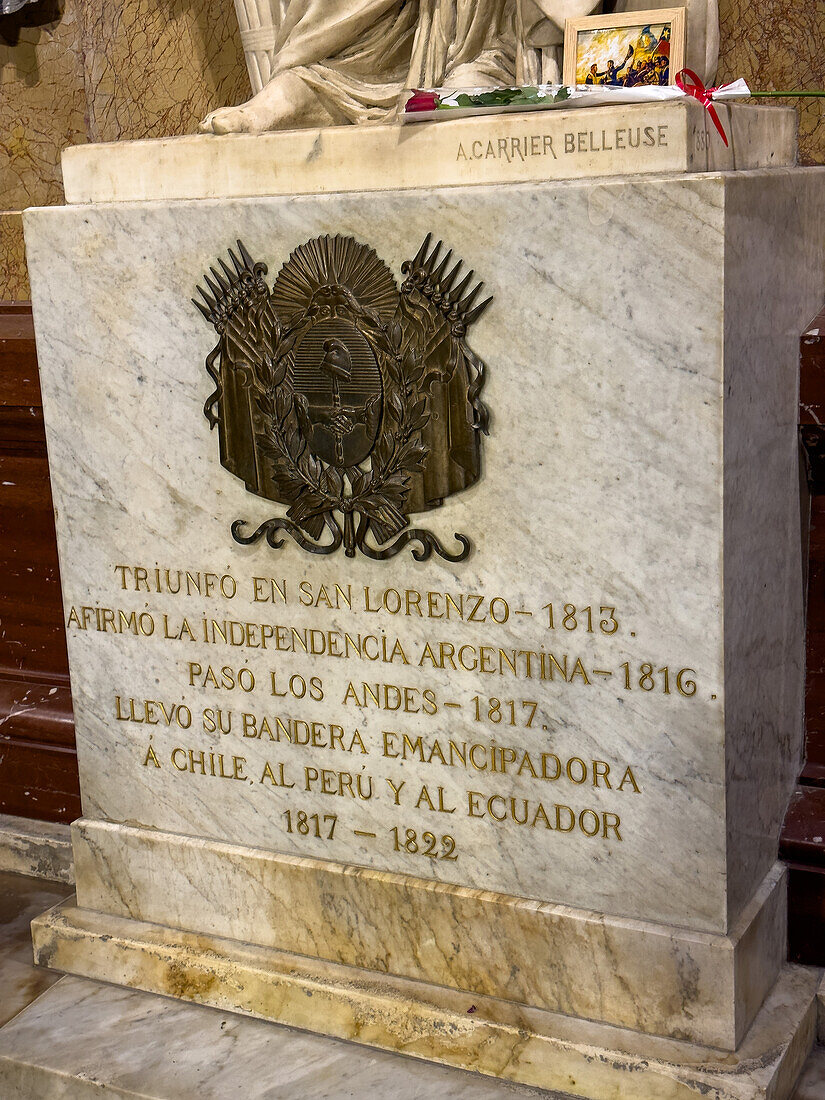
(509, 148)
(41, 849)
(484, 1034)
(708, 987)
(641, 469)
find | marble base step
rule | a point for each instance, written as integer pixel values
(811, 1084)
(39, 849)
(490, 1036)
(513, 148)
(70, 1045)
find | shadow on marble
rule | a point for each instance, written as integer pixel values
(21, 900)
(812, 1082)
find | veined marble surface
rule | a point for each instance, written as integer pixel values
(71, 1045)
(626, 140)
(21, 900)
(707, 990)
(40, 849)
(811, 1085)
(485, 1034)
(612, 356)
(765, 668)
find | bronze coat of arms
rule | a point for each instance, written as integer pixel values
(354, 402)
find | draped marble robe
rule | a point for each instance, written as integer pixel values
(358, 55)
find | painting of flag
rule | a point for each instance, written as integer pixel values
(625, 51)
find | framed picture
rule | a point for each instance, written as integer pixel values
(625, 51)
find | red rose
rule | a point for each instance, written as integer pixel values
(421, 101)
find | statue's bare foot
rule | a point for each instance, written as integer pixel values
(285, 103)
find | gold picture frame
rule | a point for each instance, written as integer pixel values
(634, 49)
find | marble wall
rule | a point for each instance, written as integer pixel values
(86, 70)
(14, 278)
(777, 45)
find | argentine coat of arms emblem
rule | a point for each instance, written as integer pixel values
(353, 401)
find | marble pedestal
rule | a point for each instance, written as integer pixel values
(641, 469)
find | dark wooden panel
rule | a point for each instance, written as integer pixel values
(19, 381)
(812, 373)
(806, 914)
(38, 780)
(38, 763)
(36, 711)
(803, 839)
(803, 835)
(33, 636)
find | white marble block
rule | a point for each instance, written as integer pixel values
(635, 139)
(640, 478)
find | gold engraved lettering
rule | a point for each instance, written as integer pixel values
(106, 620)
(212, 764)
(275, 778)
(561, 819)
(629, 776)
(150, 756)
(268, 590)
(601, 770)
(493, 660)
(461, 607)
(177, 631)
(335, 597)
(396, 790)
(153, 712)
(296, 731)
(303, 641)
(329, 781)
(392, 697)
(425, 800)
(176, 581)
(215, 720)
(298, 687)
(499, 759)
(224, 678)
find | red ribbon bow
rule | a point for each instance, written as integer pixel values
(692, 85)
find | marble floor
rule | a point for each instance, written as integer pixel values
(812, 1083)
(69, 1039)
(21, 900)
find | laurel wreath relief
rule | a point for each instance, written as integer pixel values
(331, 505)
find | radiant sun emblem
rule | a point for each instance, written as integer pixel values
(354, 402)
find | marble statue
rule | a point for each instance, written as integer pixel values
(327, 62)
(8, 7)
